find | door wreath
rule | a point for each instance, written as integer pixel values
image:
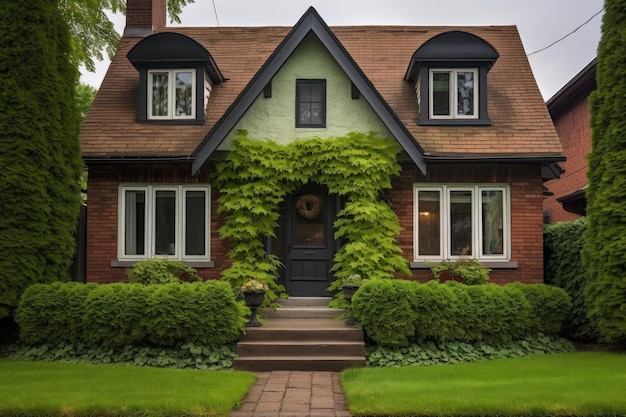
(309, 206)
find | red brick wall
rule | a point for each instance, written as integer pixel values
(102, 214)
(574, 130)
(526, 212)
(146, 13)
(526, 218)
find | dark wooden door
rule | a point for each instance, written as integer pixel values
(310, 214)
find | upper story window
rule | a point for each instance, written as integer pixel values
(450, 76)
(172, 94)
(310, 103)
(455, 219)
(176, 76)
(453, 93)
(169, 221)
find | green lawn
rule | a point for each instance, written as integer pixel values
(570, 384)
(62, 389)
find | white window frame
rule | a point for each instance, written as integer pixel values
(149, 226)
(476, 190)
(171, 94)
(453, 88)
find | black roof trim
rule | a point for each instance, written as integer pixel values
(452, 47)
(171, 48)
(309, 22)
(582, 84)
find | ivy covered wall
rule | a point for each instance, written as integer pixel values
(256, 176)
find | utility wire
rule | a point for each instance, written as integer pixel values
(215, 10)
(559, 40)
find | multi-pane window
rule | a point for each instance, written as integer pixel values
(451, 220)
(171, 94)
(168, 221)
(453, 94)
(310, 103)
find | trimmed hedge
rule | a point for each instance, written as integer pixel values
(399, 312)
(116, 315)
(564, 268)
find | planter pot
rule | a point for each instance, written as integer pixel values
(349, 290)
(254, 301)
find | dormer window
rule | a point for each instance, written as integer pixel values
(449, 72)
(453, 93)
(176, 77)
(172, 94)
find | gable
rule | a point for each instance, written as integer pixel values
(274, 117)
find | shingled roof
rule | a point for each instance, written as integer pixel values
(521, 127)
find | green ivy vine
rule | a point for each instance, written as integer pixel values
(256, 176)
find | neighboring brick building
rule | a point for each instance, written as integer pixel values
(461, 102)
(571, 115)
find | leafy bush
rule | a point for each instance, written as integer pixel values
(456, 352)
(398, 312)
(184, 356)
(115, 315)
(564, 268)
(161, 271)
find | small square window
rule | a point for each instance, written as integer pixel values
(171, 94)
(310, 103)
(453, 94)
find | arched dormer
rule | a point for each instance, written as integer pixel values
(176, 76)
(449, 72)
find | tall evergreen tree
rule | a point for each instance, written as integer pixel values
(604, 250)
(40, 161)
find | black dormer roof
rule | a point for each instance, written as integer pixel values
(170, 49)
(453, 47)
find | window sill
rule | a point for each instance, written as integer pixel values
(488, 264)
(193, 264)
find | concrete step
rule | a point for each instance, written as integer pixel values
(298, 363)
(311, 349)
(302, 312)
(276, 329)
(304, 301)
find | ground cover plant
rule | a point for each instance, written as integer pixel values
(570, 384)
(61, 389)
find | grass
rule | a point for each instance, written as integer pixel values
(62, 389)
(570, 384)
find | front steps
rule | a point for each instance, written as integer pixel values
(303, 334)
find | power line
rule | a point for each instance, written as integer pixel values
(559, 40)
(215, 10)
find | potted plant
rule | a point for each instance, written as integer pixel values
(464, 269)
(254, 293)
(350, 285)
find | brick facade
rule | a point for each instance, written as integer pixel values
(526, 203)
(574, 129)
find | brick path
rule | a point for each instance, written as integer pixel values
(295, 394)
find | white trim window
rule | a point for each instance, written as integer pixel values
(451, 220)
(169, 221)
(453, 93)
(172, 94)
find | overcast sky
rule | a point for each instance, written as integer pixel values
(540, 23)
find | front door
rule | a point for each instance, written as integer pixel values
(310, 214)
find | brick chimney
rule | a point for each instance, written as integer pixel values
(143, 17)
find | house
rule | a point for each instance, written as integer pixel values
(571, 114)
(461, 103)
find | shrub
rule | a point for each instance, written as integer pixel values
(398, 312)
(564, 268)
(116, 315)
(383, 307)
(52, 312)
(161, 271)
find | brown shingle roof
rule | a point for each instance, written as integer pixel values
(521, 125)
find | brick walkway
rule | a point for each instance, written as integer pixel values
(295, 394)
